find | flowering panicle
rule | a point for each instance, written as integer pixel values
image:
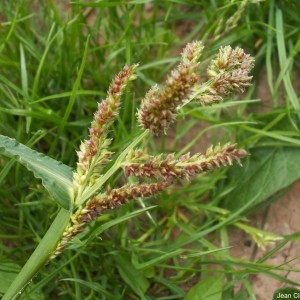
(93, 152)
(228, 73)
(185, 166)
(159, 107)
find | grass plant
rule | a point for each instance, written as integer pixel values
(57, 61)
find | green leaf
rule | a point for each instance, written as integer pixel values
(209, 288)
(56, 177)
(40, 256)
(241, 295)
(133, 277)
(8, 272)
(94, 286)
(283, 61)
(268, 171)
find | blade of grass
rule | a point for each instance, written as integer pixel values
(71, 102)
(24, 80)
(283, 59)
(40, 256)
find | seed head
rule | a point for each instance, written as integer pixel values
(186, 166)
(159, 107)
(93, 152)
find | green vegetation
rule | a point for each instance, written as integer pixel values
(57, 62)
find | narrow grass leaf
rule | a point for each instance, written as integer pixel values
(270, 47)
(93, 286)
(24, 79)
(42, 114)
(73, 96)
(163, 257)
(283, 59)
(176, 290)
(114, 222)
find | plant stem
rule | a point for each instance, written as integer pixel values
(40, 256)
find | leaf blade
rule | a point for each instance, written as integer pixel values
(269, 171)
(209, 288)
(56, 177)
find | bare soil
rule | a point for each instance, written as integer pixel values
(282, 217)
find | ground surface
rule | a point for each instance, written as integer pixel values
(282, 217)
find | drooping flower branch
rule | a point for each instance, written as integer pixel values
(228, 73)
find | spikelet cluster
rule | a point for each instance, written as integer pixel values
(183, 167)
(101, 203)
(94, 153)
(159, 107)
(228, 73)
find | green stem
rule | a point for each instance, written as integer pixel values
(40, 256)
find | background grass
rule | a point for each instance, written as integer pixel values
(56, 62)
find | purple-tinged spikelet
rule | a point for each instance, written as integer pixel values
(159, 107)
(93, 152)
(116, 197)
(186, 165)
(228, 73)
(100, 204)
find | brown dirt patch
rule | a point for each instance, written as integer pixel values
(282, 217)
